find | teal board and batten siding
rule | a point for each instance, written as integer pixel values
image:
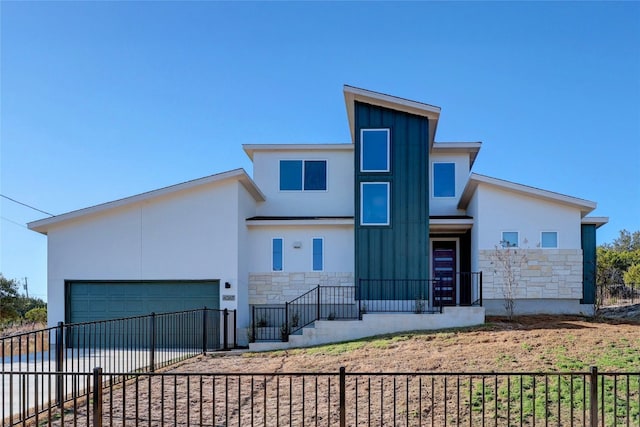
(89, 301)
(401, 249)
(588, 237)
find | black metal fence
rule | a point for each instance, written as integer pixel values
(618, 294)
(40, 361)
(345, 398)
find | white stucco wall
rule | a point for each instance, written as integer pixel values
(499, 210)
(336, 201)
(189, 235)
(338, 247)
(448, 205)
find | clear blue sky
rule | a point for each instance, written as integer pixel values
(103, 100)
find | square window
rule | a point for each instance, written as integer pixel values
(318, 255)
(277, 255)
(291, 175)
(549, 239)
(374, 203)
(444, 180)
(315, 175)
(299, 175)
(509, 239)
(374, 151)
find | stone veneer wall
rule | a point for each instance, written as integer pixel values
(547, 273)
(278, 288)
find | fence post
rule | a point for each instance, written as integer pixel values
(97, 397)
(593, 397)
(318, 304)
(152, 345)
(481, 288)
(343, 411)
(60, 364)
(225, 332)
(253, 322)
(235, 328)
(284, 329)
(204, 330)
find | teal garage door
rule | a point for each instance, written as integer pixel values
(89, 301)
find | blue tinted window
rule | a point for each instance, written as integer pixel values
(549, 239)
(509, 239)
(317, 255)
(277, 254)
(315, 175)
(444, 180)
(290, 175)
(298, 175)
(375, 150)
(374, 203)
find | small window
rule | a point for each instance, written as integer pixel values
(318, 254)
(374, 203)
(374, 151)
(277, 256)
(303, 175)
(444, 180)
(549, 239)
(509, 239)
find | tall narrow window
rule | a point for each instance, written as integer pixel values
(374, 150)
(549, 239)
(509, 239)
(277, 255)
(318, 254)
(444, 180)
(374, 203)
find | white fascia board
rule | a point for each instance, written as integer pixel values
(252, 148)
(301, 222)
(598, 221)
(43, 225)
(352, 94)
(585, 206)
(450, 224)
(455, 147)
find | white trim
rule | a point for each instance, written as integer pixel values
(250, 149)
(362, 223)
(43, 225)
(557, 239)
(322, 254)
(444, 239)
(598, 221)
(326, 175)
(433, 180)
(298, 222)
(272, 241)
(585, 206)
(502, 239)
(388, 131)
(472, 148)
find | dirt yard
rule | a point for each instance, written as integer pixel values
(529, 344)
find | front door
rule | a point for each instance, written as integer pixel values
(444, 273)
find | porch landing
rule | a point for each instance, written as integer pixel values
(331, 331)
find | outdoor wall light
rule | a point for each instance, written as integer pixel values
(227, 285)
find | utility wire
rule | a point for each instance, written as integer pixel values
(14, 222)
(24, 204)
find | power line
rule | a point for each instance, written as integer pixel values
(14, 222)
(24, 204)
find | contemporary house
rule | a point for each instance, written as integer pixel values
(390, 231)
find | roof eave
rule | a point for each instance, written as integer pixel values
(43, 225)
(353, 94)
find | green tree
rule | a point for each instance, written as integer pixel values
(36, 315)
(8, 297)
(632, 275)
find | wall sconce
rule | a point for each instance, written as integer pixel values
(227, 285)
(297, 245)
